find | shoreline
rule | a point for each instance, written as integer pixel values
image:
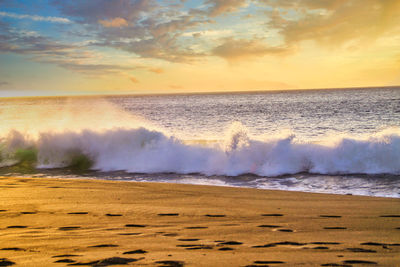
(100, 221)
(90, 178)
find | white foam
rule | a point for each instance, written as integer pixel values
(150, 151)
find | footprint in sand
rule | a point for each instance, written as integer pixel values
(69, 228)
(285, 243)
(171, 234)
(135, 225)
(64, 261)
(325, 243)
(66, 256)
(6, 262)
(383, 245)
(195, 246)
(286, 230)
(269, 226)
(108, 261)
(170, 263)
(361, 250)
(234, 243)
(225, 249)
(336, 264)
(138, 251)
(13, 249)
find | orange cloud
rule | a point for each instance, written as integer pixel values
(334, 23)
(156, 70)
(220, 7)
(133, 79)
(114, 23)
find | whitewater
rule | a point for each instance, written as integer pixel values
(336, 141)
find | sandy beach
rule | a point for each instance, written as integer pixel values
(60, 222)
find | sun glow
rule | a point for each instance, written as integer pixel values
(145, 47)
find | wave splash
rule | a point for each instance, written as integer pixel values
(141, 150)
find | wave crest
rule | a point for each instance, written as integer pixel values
(142, 150)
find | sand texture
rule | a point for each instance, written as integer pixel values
(69, 222)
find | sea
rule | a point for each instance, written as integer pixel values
(338, 141)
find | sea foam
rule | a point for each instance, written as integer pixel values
(143, 150)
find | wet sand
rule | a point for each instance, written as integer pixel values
(67, 222)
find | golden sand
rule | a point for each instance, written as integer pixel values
(59, 222)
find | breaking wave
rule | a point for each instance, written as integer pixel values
(143, 150)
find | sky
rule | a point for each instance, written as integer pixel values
(58, 47)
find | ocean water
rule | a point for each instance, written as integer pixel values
(344, 141)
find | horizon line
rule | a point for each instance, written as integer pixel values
(204, 93)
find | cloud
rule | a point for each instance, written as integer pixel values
(196, 34)
(219, 7)
(156, 70)
(24, 42)
(90, 69)
(304, 4)
(92, 11)
(237, 49)
(154, 39)
(153, 48)
(334, 23)
(115, 22)
(42, 49)
(133, 79)
(209, 33)
(173, 26)
(142, 27)
(34, 17)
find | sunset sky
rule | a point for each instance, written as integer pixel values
(57, 47)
